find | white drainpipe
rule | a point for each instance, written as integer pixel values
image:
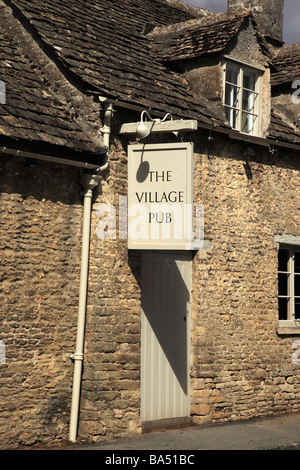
(89, 182)
(108, 112)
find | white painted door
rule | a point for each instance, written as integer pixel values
(165, 336)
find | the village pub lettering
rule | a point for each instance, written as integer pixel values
(159, 195)
(155, 197)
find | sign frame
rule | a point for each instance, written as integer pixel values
(159, 166)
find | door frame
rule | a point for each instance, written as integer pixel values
(188, 257)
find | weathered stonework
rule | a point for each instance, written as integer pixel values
(241, 367)
(240, 362)
(111, 379)
(269, 14)
(205, 75)
(40, 229)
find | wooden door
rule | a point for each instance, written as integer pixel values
(165, 336)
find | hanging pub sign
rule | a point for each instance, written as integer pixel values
(160, 196)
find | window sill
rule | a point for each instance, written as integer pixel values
(286, 327)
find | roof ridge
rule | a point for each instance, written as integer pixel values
(192, 9)
(288, 48)
(204, 22)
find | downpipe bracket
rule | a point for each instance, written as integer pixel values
(76, 356)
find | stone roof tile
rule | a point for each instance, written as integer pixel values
(33, 110)
(198, 37)
(195, 38)
(103, 45)
(281, 131)
(287, 65)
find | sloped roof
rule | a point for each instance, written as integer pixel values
(35, 110)
(101, 47)
(209, 34)
(281, 131)
(196, 38)
(286, 62)
(102, 44)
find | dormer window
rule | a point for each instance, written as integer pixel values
(242, 97)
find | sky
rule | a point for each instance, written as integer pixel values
(291, 26)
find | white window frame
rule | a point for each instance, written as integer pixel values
(290, 325)
(235, 108)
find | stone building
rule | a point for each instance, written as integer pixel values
(109, 325)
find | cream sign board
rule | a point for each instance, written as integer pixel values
(160, 196)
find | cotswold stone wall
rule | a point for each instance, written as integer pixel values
(268, 13)
(241, 367)
(110, 401)
(40, 232)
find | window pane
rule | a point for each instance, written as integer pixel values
(232, 116)
(248, 122)
(231, 76)
(249, 80)
(283, 309)
(248, 101)
(283, 258)
(297, 285)
(244, 123)
(283, 284)
(297, 262)
(231, 95)
(297, 309)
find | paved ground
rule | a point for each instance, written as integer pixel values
(276, 433)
